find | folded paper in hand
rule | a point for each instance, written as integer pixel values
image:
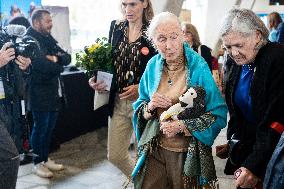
(102, 98)
(106, 77)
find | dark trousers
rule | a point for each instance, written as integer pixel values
(274, 177)
(44, 123)
(9, 160)
(10, 115)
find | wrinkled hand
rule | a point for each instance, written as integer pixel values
(99, 86)
(130, 93)
(6, 54)
(159, 101)
(23, 62)
(170, 128)
(246, 179)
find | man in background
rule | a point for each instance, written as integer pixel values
(43, 93)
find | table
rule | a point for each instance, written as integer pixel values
(77, 115)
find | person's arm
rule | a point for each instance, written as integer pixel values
(111, 29)
(206, 54)
(280, 34)
(45, 66)
(266, 136)
(139, 105)
(206, 127)
(61, 57)
(6, 54)
(50, 65)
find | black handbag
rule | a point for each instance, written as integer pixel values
(238, 150)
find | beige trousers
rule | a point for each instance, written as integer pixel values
(119, 133)
(164, 170)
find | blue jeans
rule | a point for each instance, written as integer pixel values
(274, 177)
(44, 123)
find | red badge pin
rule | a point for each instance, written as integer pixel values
(145, 51)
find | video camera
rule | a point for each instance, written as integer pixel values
(25, 46)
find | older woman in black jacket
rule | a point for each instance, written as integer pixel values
(254, 94)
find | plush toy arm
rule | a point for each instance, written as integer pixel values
(172, 112)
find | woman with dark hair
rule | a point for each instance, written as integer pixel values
(131, 52)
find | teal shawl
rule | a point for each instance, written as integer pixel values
(199, 74)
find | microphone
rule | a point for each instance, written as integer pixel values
(15, 30)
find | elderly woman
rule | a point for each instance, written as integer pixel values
(131, 52)
(253, 79)
(175, 154)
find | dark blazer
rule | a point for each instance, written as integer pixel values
(43, 83)
(280, 33)
(115, 36)
(267, 96)
(206, 54)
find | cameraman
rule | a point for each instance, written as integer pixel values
(9, 108)
(43, 92)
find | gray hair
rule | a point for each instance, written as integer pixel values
(160, 18)
(245, 22)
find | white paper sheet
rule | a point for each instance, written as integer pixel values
(106, 77)
(100, 99)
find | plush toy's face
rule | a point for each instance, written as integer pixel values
(188, 97)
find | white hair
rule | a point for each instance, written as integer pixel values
(163, 17)
(243, 21)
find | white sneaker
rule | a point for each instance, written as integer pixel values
(51, 165)
(41, 171)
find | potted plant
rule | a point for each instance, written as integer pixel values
(95, 57)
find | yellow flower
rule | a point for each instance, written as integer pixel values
(94, 47)
(97, 56)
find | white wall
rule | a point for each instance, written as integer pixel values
(199, 16)
(61, 27)
(215, 12)
(159, 5)
(173, 6)
(89, 19)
